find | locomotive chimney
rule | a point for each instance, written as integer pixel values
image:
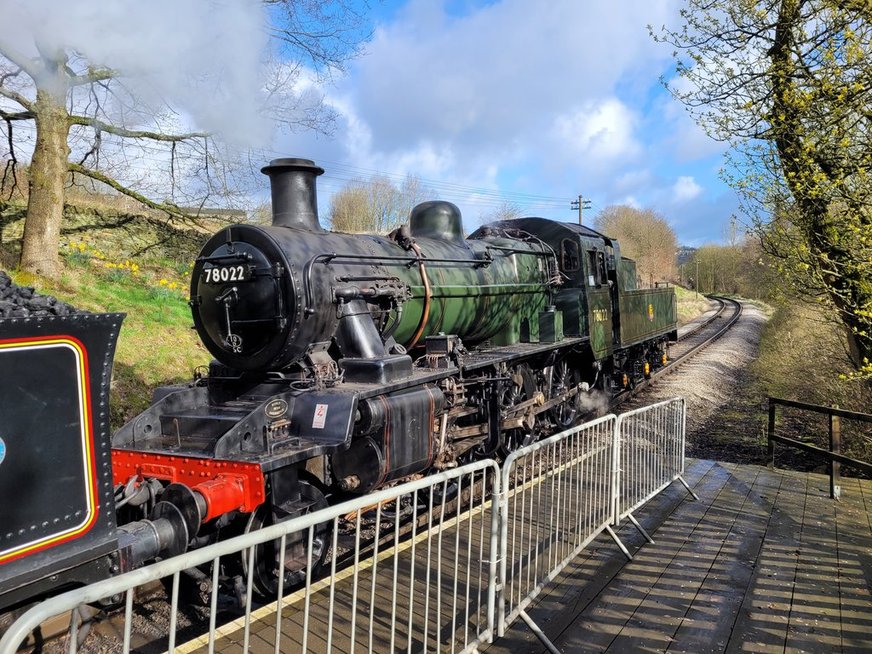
(294, 201)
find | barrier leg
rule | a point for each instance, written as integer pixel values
(689, 489)
(640, 528)
(539, 634)
(620, 544)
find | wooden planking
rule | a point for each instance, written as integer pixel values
(771, 565)
(763, 617)
(708, 621)
(584, 579)
(681, 572)
(855, 564)
(702, 605)
(616, 621)
(815, 616)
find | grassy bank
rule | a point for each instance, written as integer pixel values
(156, 344)
(803, 357)
(690, 304)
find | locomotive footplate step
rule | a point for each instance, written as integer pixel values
(201, 422)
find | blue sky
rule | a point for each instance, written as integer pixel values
(527, 101)
(530, 102)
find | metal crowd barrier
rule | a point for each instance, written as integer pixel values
(427, 586)
(430, 580)
(649, 456)
(557, 497)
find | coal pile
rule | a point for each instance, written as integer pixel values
(22, 301)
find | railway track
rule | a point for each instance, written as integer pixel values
(703, 335)
(154, 608)
(689, 344)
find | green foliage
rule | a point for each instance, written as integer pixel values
(741, 269)
(788, 84)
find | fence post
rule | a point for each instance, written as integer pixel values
(770, 444)
(835, 446)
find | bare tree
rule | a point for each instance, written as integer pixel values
(644, 236)
(87, 122)
(376, 205)
(506, 211)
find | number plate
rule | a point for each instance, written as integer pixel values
(227, 274)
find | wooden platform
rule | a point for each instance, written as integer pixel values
(765, 562)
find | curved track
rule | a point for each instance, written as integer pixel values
(690, 343)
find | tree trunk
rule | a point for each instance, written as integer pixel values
(48, 173)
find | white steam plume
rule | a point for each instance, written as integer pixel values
(203, 58)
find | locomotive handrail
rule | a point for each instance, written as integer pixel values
(327, 257)
(245, 256)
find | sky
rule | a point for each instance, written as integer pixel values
(526, 102)
(530, 102)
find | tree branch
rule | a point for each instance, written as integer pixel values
(19, 115)
(11, 164)
(860, 8)
(26, 64)
(17, 97)
(166, 207)
(93, 76)
(99, 125)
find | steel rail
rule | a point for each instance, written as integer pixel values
(737, 313)
(705, 323)
(673, 365)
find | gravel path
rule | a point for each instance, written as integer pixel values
(726, 416)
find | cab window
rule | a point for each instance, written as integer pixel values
(592, 269)
(570, 257)
(596, 266)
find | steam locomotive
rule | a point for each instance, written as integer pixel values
(343, 363)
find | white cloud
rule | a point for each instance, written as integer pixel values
(634, 179)
(555, 102)
(499, 74)
(202, 58)
(629, 201)
(685, 189)
(602, 131)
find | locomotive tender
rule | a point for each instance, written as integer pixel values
(346, 362)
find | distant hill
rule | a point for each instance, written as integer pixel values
(684, 254)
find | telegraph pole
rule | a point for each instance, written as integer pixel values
(580, 204)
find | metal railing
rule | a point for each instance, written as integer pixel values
(557, 497)
(442, 564)
(649, 456)
(833, 455)
(429, 583)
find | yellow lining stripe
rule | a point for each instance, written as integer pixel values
(81, 359)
